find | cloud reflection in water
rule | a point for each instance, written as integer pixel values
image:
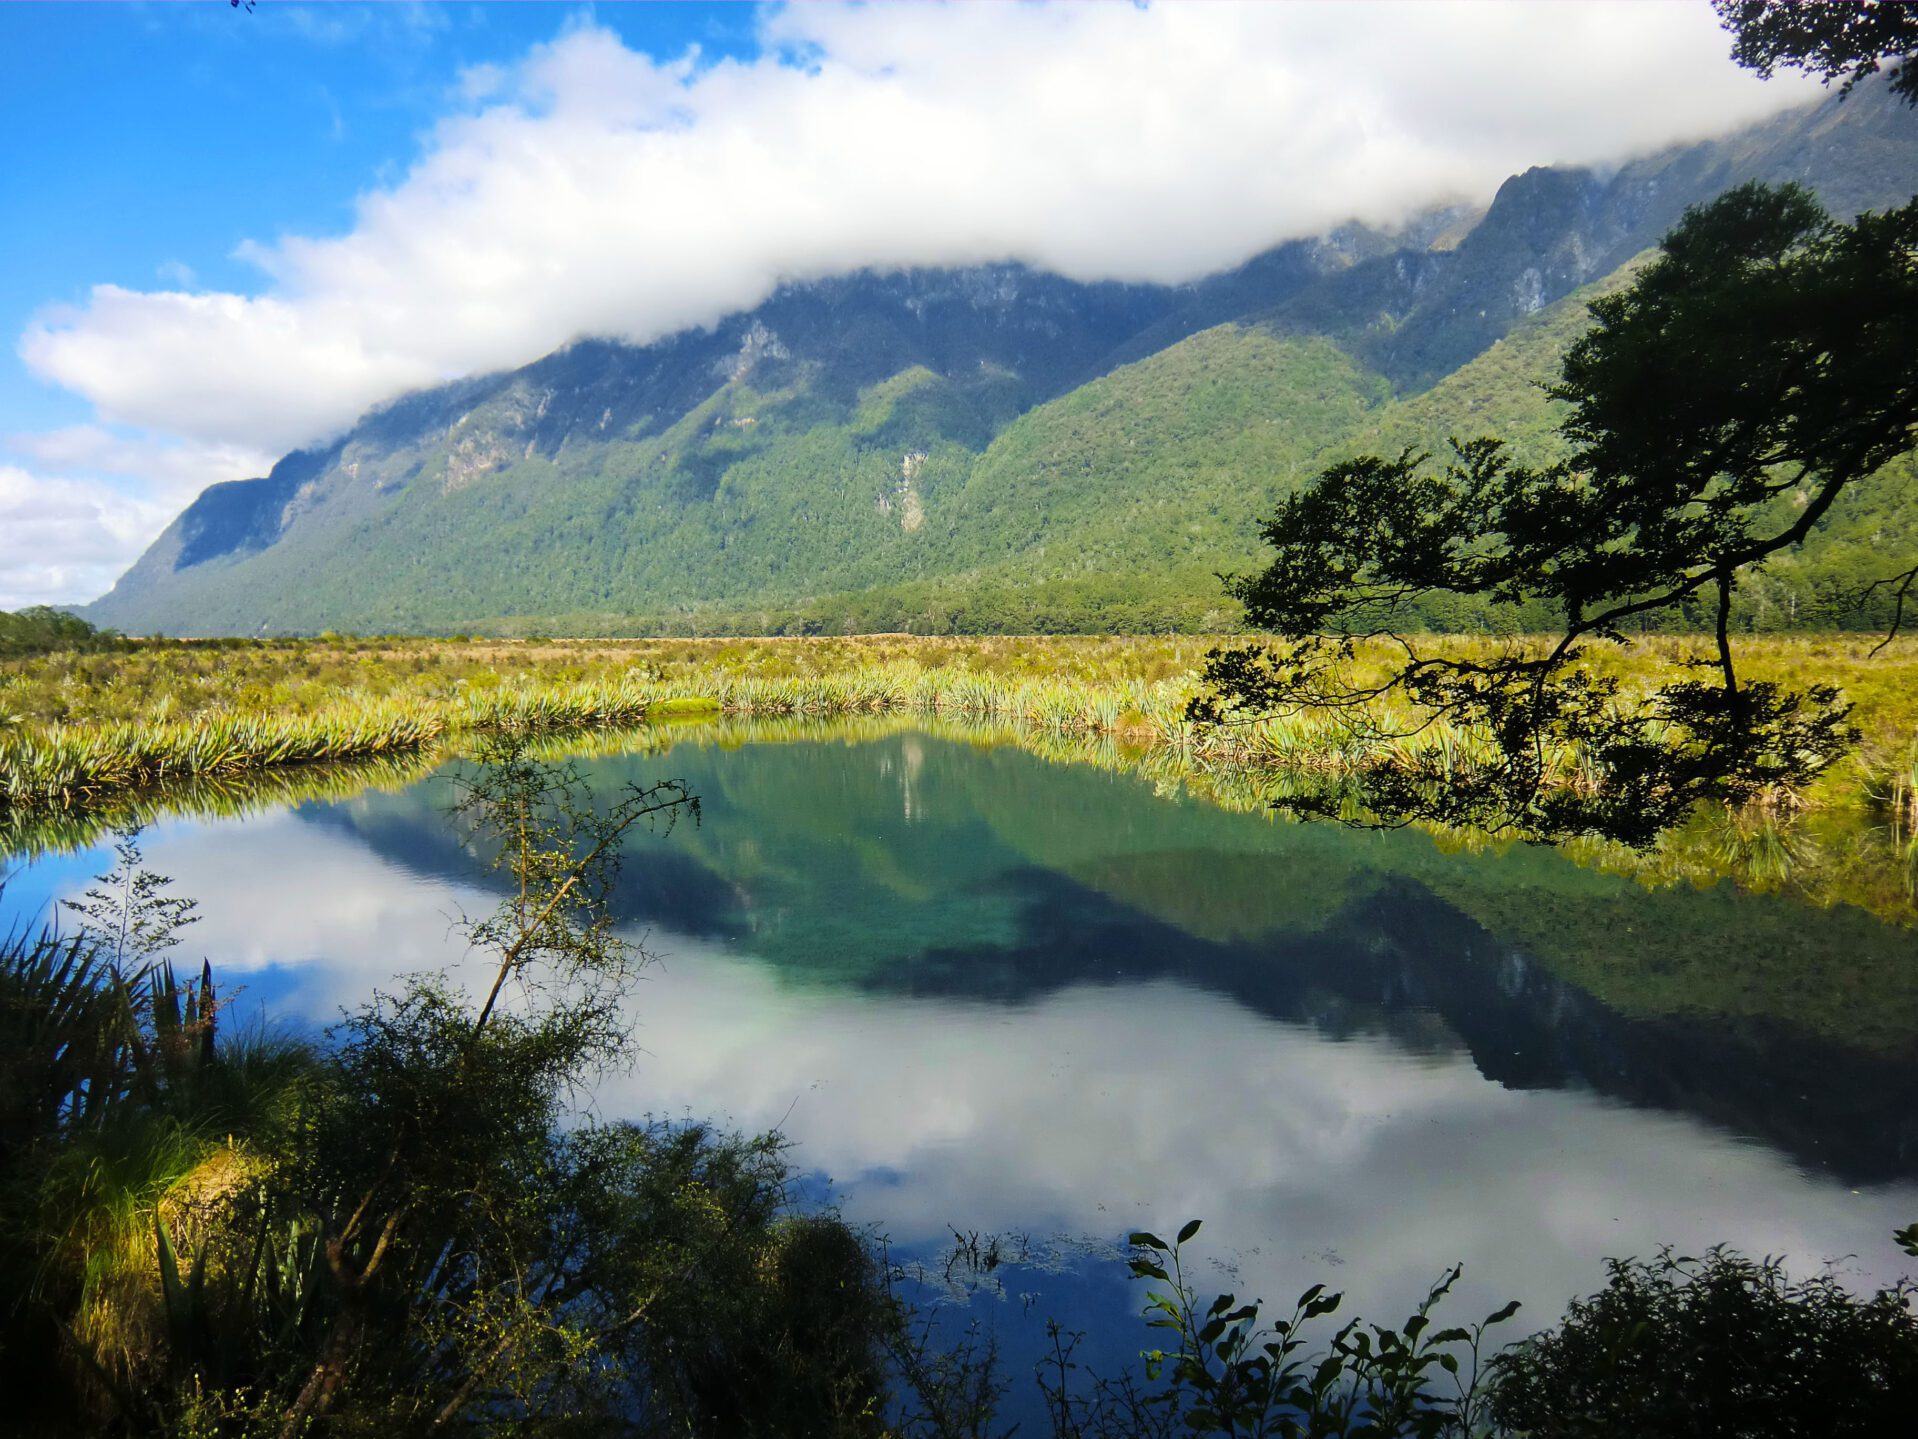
(1089, 1108)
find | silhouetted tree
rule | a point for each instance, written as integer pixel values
(1826, 39)
(1760, 365)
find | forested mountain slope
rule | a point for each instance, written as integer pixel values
(983, 449)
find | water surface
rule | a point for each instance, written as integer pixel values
(983, 992)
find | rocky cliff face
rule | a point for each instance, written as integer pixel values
(1415, 315)
(751, 458)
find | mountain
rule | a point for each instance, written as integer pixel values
(991, 448)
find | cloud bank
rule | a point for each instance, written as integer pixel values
(86, 501)
(595, 190)
(603, 191)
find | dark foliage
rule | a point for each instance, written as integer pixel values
(1230, 1368)
(1827, 39)
(1718, 1346)
(1718, 408)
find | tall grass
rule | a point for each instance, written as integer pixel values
(65, 765)
(223, 727)
(119, 1118)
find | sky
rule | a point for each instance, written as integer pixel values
(227, 233)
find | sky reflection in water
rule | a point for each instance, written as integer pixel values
(983, 993)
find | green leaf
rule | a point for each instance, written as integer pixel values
(1502, 1315)
(172, 1291)
(1140, 1239)
(1191, 1228)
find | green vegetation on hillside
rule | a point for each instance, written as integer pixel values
(1111, 509)
(989, 451)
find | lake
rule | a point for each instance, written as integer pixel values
(985, 993)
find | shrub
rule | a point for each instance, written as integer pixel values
(1721, 1345)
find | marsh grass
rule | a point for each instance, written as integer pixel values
(63, 765)
(117, 1121)
(221, 727)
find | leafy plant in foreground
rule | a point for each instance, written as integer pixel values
(128, 914)
(1228, 1369)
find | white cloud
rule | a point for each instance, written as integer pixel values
(90, 500)
(170, 471)
(598, 190)
(61, 539)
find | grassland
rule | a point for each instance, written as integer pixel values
(85, 737)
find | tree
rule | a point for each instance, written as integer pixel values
(40, 629)
(442, 1126)
(1718, 408)
(1826, 39)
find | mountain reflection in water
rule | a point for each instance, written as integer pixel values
(980, 991)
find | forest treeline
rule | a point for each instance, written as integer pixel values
(42, 629)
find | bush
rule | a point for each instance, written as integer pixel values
(1722, 1345)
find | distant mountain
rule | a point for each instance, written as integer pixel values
(991, 448)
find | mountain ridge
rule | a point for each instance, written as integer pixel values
(987, 447)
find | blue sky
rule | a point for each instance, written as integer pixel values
(140, 138)
(228, 234)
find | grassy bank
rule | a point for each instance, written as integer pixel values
(84, 735)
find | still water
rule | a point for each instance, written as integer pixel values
(984, 993)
